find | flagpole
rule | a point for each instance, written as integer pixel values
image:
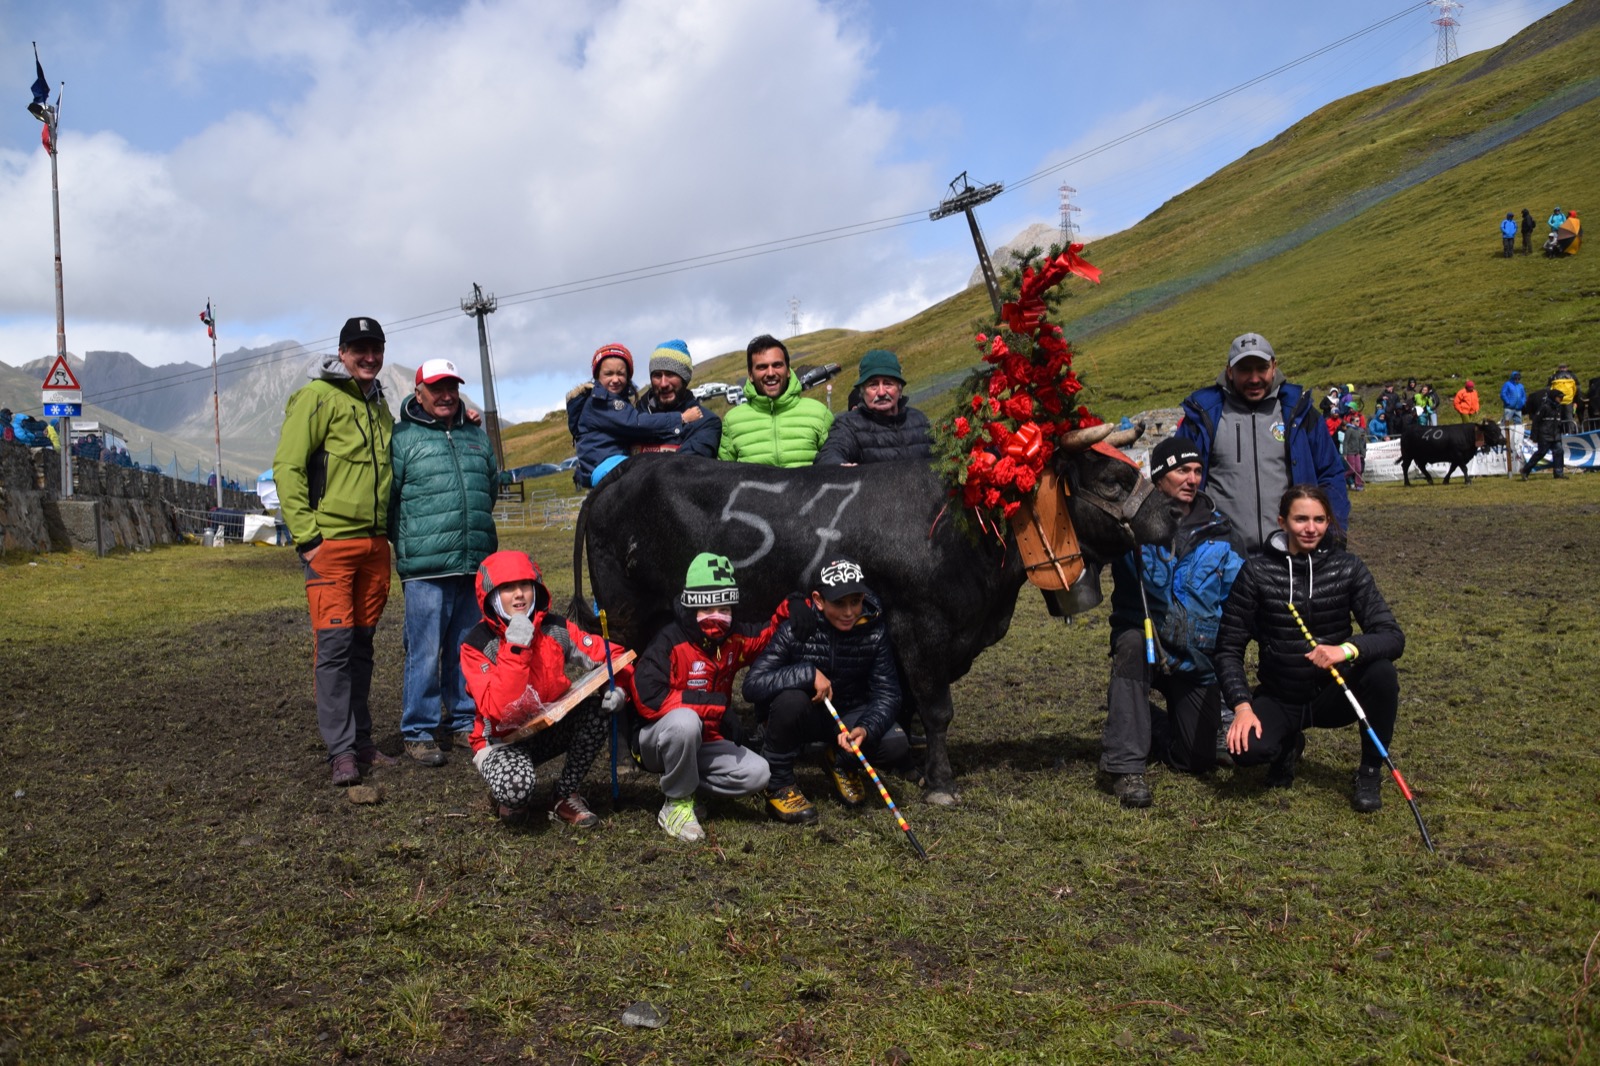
(61, 307)
(216, 403)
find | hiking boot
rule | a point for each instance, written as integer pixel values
(461, 740)
(511, 815)
(1131, 790)
(1560, 476)
(345, 771)
(846, 780)
(426, 753)
(677, 817)
(1281, 773)
(573, 811)
(789, 805)
(1368, 795)
(371, 756)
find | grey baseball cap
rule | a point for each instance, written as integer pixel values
(1250, 346)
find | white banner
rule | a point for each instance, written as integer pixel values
(1582, 451)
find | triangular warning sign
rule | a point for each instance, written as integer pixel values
(61, 375)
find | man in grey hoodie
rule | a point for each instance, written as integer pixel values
(1257, 434)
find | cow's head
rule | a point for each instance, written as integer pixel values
(1113, 506)
(1490, 436)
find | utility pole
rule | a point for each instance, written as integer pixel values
(1068, 209)
(50, 115)
(480, 306)
(964, 200)
(794, 316)
(1446, 51)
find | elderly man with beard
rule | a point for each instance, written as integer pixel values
(441, 511)
(1180, 588)
(775, 426)
(671, 370)
(883, 428)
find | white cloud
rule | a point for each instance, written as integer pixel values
(515, 143)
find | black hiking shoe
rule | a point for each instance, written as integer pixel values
(1368, 795)
(1131, 790)
(1281, 773)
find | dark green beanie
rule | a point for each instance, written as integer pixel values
(880, 363)
(710, 582)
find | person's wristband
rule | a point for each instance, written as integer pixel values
(1350, 651)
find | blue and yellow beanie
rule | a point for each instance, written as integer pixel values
(673, 357)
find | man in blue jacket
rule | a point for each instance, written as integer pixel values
(1257, 434)
(442, 523)
(1513, 397)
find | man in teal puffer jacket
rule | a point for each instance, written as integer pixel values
(775, 426)
(442, 524)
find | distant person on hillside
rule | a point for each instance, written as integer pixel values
(441, 523)
(333, 472)
(1427, 405)
(1508, 234)
(1513, 398)
(671, 370)
(1564, 385)
(1466, 402)
(1377, 429)
(1557, 217)
(1257, 434)
(1353, 446)
(604, 422)
(776, 425)
(883, 427)
(1527, 232)
(1547, 436)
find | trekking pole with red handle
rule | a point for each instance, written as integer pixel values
(888, 802)
(1400, 782)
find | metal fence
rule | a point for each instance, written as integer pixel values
(539, 509)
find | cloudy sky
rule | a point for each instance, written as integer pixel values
(632, 170)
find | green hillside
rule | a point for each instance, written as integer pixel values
(1362, 241)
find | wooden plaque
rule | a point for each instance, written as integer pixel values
(581, 690)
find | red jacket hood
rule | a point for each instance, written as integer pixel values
(502, 568)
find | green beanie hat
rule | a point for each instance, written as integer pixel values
(880, 363)
(710, 582)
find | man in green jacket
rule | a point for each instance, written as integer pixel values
(442, 524)
(775, 426)
(333, 474)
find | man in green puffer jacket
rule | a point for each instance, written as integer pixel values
(333, 475)
(775, 426)
(442, 525)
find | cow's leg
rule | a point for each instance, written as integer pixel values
(1423, 467)
(1405, 471)
(939, 787)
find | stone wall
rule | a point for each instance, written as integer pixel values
(111, 506)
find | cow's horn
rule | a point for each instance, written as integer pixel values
(1079, 440)
(1124, 437)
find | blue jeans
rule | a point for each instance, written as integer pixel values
(440, 611)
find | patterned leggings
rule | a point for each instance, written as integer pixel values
(509, 768)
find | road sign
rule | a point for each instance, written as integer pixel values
(60, 376)
(63, 410)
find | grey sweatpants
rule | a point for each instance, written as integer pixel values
(672, 747)
(1192, 715)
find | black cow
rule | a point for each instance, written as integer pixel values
(1455, 445)
(947, 595)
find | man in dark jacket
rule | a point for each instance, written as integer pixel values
(1180, 587)
(1527, 232)
(1547, 435)
(883, 428)
(835, 646)
(1257, 434)
(671, 370)
(442, 524)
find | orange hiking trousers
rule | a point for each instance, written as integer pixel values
(346, 588)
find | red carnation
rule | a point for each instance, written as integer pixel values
(1025, 480)
(963, 427)
(1020, 408)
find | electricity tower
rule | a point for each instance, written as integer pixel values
(964, 200)
(1446, 51)
(1068, 209)
(480, 307)
(794, 316)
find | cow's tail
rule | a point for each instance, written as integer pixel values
(579, 610)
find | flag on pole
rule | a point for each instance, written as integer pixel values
(41, 88)
(210, 321)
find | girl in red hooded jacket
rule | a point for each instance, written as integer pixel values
(514, 663)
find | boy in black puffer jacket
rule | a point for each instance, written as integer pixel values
(835, 646)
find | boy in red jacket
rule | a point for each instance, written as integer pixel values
(682, 684)
(514, 663)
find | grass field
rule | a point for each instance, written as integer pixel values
(181, 884)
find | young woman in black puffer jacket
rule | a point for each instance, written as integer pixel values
(1328, 586)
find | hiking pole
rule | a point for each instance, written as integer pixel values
(1400, 782)
(611, 686)
(1149, 627)
(887, 800)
